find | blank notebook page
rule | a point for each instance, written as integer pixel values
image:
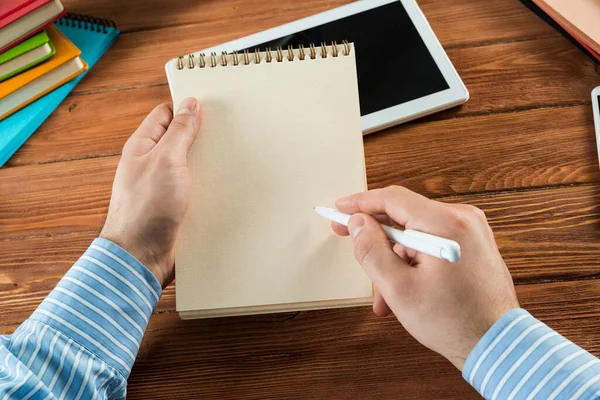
(277, 139)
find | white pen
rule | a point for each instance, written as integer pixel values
(419, 241)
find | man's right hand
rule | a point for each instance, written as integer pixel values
(446, 306)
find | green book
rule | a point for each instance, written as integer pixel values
(25, 55)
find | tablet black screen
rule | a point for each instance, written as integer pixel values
(393, 64)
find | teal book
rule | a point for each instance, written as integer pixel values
(93, 37)
(25, 55)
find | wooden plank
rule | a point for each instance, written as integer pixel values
(141, 15)
(534, 73)
(456, 22)
(521, 78)
(73, 196)
(346, 353)
(460, 23)
(55, 198)
(90, 126)
(31, 268)
(413, 155)
(342, 354)
(543, 235)
(324, 354)
(489, 152)
(138, 59)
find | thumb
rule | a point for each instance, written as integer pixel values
(374, 252)
(183, 129)
(150, 131)
(380, 307)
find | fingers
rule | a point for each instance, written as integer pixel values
(475, 218)
(373, 250)
(408, 255)
(182, 130)
(383, 219)
(399, 203)
(407, 208)
(380, 307)
(343, 231)
(339, 229)
(150, 131)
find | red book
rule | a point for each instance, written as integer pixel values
(20, 19)
(582, 43)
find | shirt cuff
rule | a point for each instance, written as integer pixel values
(104, 303)
(521, 357)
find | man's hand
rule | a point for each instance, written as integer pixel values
(152, 185)
(446, 306)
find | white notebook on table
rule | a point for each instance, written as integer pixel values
(281, 134)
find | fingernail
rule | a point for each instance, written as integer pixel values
(188, 106)
(357, 224)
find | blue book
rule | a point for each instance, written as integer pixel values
(93, 37)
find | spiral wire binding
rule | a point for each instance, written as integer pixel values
(224, 59)
(86, 22)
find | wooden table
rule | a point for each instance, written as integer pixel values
(523, 150)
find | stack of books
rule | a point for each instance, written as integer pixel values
(578, 20)
(44, 53)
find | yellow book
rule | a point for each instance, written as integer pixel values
(281, 134)
(22, 89)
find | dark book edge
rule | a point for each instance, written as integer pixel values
(545, 17)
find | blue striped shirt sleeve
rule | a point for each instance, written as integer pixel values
(522, 358)
(81, 342)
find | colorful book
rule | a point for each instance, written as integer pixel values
(581, 18)
(20, 19)
(25, 55)
(20, 90)
(93, 37)
(562, 30)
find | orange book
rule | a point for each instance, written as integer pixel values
(22, 89)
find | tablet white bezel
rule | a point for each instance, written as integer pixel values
(456, 93)
(596, 111)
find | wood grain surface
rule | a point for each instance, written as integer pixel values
(522, 149)
(333, 354)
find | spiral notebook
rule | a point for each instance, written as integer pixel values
(281, 134)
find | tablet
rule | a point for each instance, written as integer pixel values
(403, 71)
(596, 111)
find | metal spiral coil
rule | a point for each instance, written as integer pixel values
(225, 59)
(86, 22)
